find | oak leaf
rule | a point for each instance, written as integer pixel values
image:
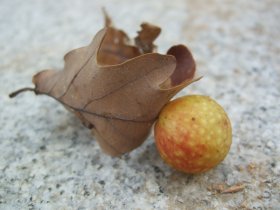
(115, 88)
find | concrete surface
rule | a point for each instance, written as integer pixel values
(48, 160)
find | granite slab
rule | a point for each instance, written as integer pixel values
(48, 160)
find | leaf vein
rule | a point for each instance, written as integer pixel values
(120, 87)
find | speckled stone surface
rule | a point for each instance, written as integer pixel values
(48, 160)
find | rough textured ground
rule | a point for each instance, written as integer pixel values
(49, 161)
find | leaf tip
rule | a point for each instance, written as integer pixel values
(108, 20)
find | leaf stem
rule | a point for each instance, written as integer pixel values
(15, 93)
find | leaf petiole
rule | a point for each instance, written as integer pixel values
(15, 93)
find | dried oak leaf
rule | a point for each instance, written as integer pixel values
(115, 88)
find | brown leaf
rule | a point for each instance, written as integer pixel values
(117, 89)
(146, 37)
